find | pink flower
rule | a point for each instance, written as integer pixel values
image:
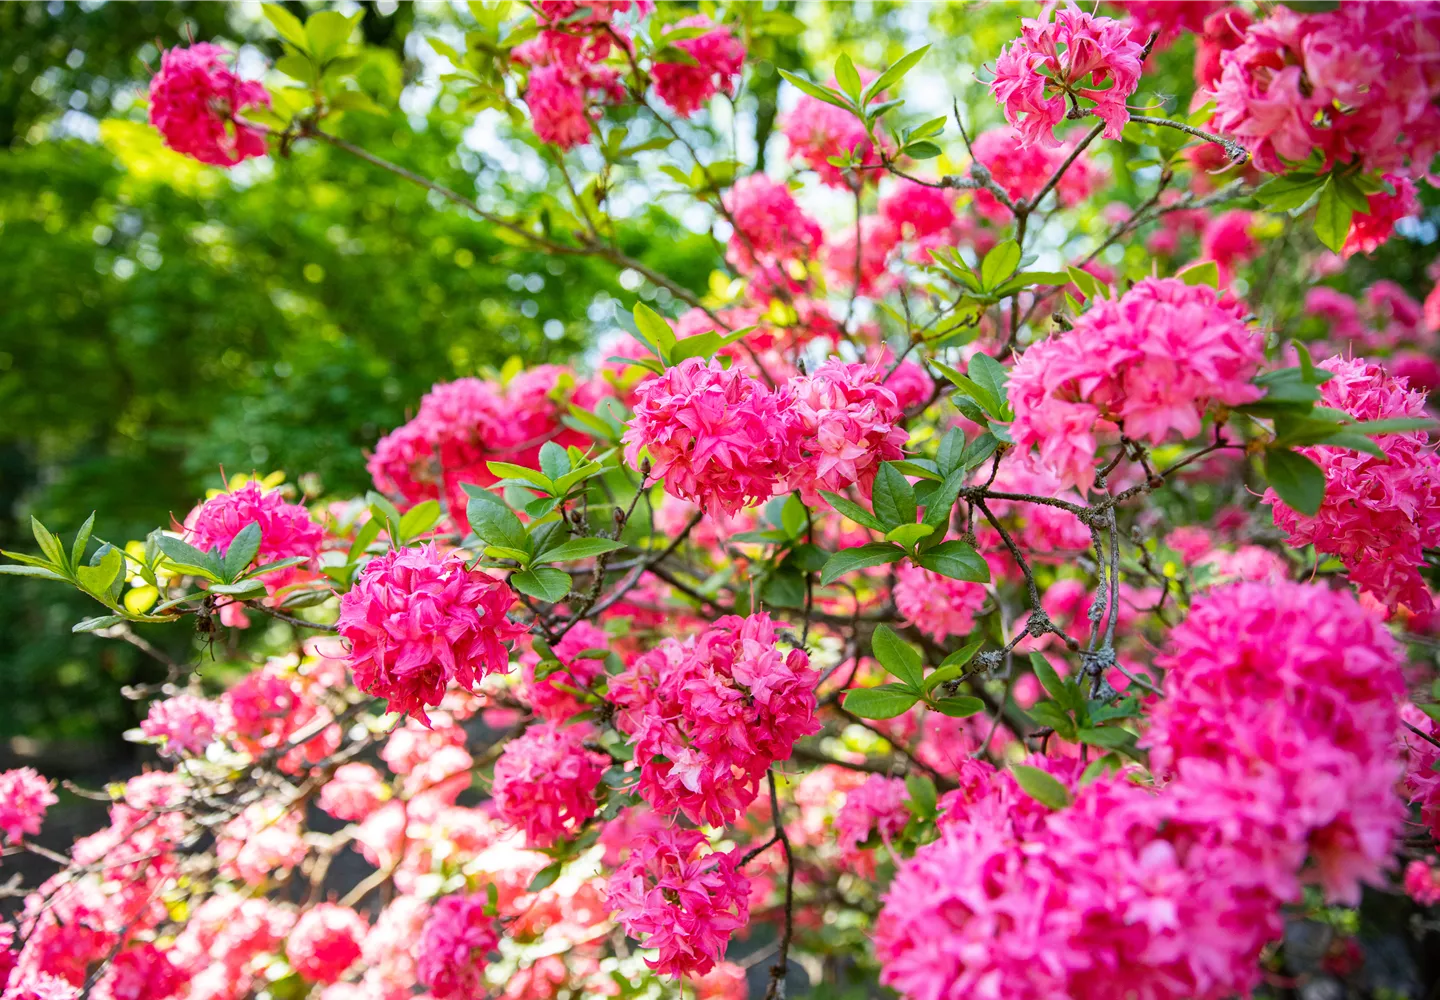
(877, 808)
(325, 941)
(545, 781)
(877, 238)
(286, 530)
(1422, 882)
(936, 605)
(1378, 515)
(1149, 363)
(389, 948)
(547, 696)
(184, 724)
(1227, 241)
(818, 131)
(1075, 55)
(142, 972)
(846, 423)
(1369, 230)
(724, 982)
(418, 621)
(773, 236)
(916, 211)
(353, 792)
(682, 903)
(1223, 30)
(261, 712)
(1023, 169)
(455, 945)
(708, 717)
(1294, 688)
(24, 798)
(1170, 18)
(33, 985)
(193, 101)
(263, 842)
(719, 58)
(718, 438)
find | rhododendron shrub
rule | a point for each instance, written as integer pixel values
(971, 587)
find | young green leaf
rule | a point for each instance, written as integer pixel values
(656, 329)
(1332, 217)
(544, 583)
(883, 702)
(923, 795)
(579, 548)
(897, 656)
(893, 497)
(242, 550)
(999, 264)
(894, 75)
(1040, 786)
(1207, 272)
(959, 707)
(852, 510)
(957, 560)
(1297, 479)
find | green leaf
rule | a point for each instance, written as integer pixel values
(883, 702)
(959, 707)
(655, 328)
(1111, 738)
(1394, 425)
(922, 150)
(792, 516)
(978, 450)
(923, 796)
(952, 450)
(983, 397)
(545, 583)
(419, 519)
(908, 534)
(1289, 191)
(916, 469)
(1048, 713)
(963, 655)
(847, 76)
(580, 548)
(894, 75)
(1207, 272)
(892, 497)
(1298, 480)
(816, 91)
(99, 578)
(39, 572)
(1048, 678)
(957, 560)
(286, 24)
(1040, 786)
(849, 560)
(546, 876)
(1332, 218)
(853, 511)
(189, 559)
(327, 31)
(784, 588)
(242, 550)
(49, 544)
(897, 656)
(509, 470)
(82, 538)
(94, 624)
(807, 558)
(495, 523)
(554, 460)
(999, 263)
(242, 591)
(988, 373)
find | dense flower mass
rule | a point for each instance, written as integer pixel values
(455, 945)
(1356, 83)
(325, 941)
(1287, 695)
(418, 620)
(1378, 515)
(545, 781)
(818, 131)
(183, 724)
(24, 798)
(937, 605)
(553, 695)
(1147, 364)
(773, 239)
(679, 901)
(1063, 55)
(718, 438)
(1024, 169)
(718, 55)
(846, 422)
(708, 716)
(194, 100)
(875, 809)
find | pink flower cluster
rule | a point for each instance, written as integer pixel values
(1022, 169)
(418, 620)
(818, 131)
(717, 437)
(455, 946)
(1149, 364)
(1422, 768)
(193, 102)
(1422, 882)
(548, 695)
(725, 441)
(719, 58)
(1378, 515)
(877, 808)
(1281, 705)
(683, 903)
(325, 941)
(846, 423)
(773, 237)
(1066, 54)
(354, 792)
(185, 724)
(286, 529)
(463, 424)
(1119, 894)
(1356, 83)
(937, 605)
(1170, 18)
(545, 781)
(707, 717)
(24, 798)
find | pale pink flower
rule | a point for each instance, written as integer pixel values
(353, 792)
(185, 724)
(24, 798)
(262, 843)
(877, 808)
